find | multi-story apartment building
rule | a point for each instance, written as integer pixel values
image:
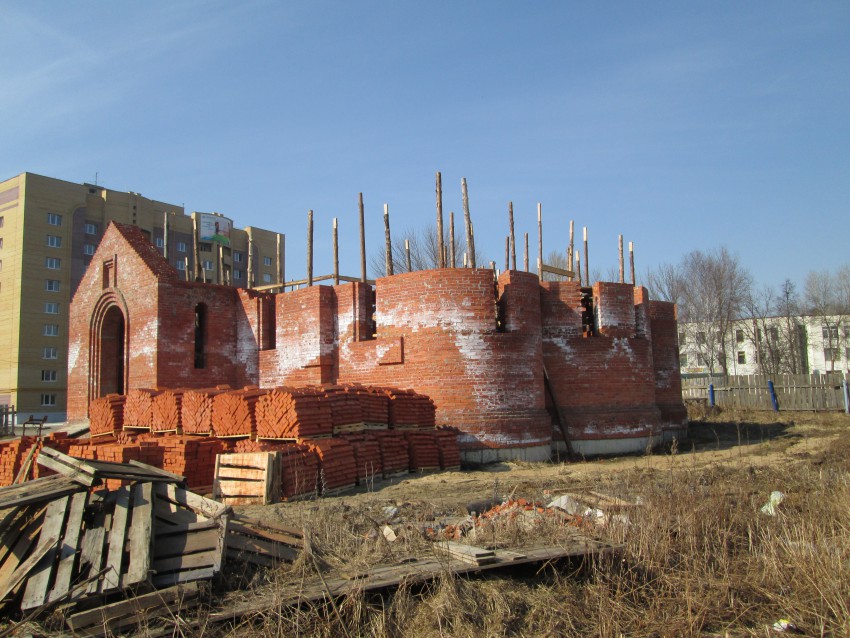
(772, 345)
(49, 229)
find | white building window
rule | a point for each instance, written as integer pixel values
(207, 264)
(49, 352)
(267, 261)
(48, 376)
(51, 285)
(54, 219)
(54, 241)
(181, 246)
(159, 242)
(267, 278)
(48, 399)
(51, 330)
(237, 274)
(742, 357)
(830, 332)
(88, 249)
(91, 229)
(52, 263)
(181, 265)
(237, 257)
(51, 308)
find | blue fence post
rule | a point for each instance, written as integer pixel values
(773, 400)
(711, 395)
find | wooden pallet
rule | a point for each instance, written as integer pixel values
(260, 542)
(247, 478)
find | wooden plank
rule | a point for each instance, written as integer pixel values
(466, 553)
(180, 563)
(243, 488)
(117, 538)
(276, 537)
(215, 492)
(70, 472)
(14, 523)
(24, 568)
(68, 548)
(165, 580)
(267, 548)
(139, 607)
(22, 545)
(26, 465)
(161, 530)
(296, 535)
(195, 502)
(557, 271)
(140, 536)
(201, 541)
(38, 582)
(46, 488)
(241, 473)
(91, 550)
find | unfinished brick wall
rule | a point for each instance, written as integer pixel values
(476, 346)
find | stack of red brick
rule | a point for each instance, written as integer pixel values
(409, 409)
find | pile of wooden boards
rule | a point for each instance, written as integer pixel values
(63, 540)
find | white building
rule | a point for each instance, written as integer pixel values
(771, 345)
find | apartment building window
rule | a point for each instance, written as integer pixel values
(54, 241)
(91, 229)
(48, 376)
(181, 246)
(207, 264)
(51, 308)
(54, 219)
(742, 357)
(49, 352)
(2, 220)
(831, 354)
(180, 265)
(700, 338)
(267, 261)
(51, 285)
(739, 336)
(237, 257)
(683, 359)
(159, 242)
(267, 278)
(205, 247)
(88, 249)
(1, 242)
(830, 332)
(51, 330)
(52, 263)
(237, 274)
(1, 264)
(48, 399)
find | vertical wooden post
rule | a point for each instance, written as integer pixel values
(407, 255)
(526, 252)
(539, 242)
(507, 252)
(362, 239)
(470, 237)
(622, 265)
(570, 249)
(165, 235)
(309, 248)
(250, 260)
(186, 267)
(220, 277)
(336, 254)
(452, 255)
(632, 261)
(441, 253)
(196, 249)
(512, 235)
(279, 262)
(389, 245)
(586, 266)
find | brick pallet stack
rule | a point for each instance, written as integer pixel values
(409, 409)
(197, 408)
(106, 415)
(193, 458)
(234, 412)
(345, 406)
(166, 412)
(294, 413)
(299, 471)
(12, 455)
(374, 405)
(138, 409)
(395, 458)
(367, 455)
(422, 447)
(338, 467)
(448, 448)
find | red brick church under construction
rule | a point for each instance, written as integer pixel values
(504, 359)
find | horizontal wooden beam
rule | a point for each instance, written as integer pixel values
(558, 271)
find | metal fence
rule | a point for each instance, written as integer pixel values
(814, 392)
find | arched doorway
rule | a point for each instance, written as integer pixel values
(111, 353)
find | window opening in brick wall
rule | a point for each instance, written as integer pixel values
(742, 357)
(200, 335)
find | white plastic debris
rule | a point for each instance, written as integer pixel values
(773, 502)
(567, 503)
(388, 532)
(784, 624)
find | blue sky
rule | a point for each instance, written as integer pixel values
(681, 125)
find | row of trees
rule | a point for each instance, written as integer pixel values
(720, 306)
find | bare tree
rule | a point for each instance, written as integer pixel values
(424, 251)
(666, 283)
(827, 299)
